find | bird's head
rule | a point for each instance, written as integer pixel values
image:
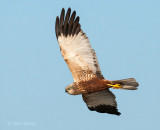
(71, 89)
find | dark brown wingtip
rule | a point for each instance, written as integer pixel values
(78, 29)
(69, 9)
(66, 21)
(67, 25)
(62, 19)
(57, 26)
(75, 25)
(71, 22)
(105, 109)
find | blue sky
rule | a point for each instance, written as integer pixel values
(33, 74)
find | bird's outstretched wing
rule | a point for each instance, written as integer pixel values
(102, 101)
(75, 48)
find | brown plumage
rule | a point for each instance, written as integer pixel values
(83, 64)
(92, 85)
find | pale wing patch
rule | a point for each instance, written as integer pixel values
(77, 49)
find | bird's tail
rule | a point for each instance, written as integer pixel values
(129, 84)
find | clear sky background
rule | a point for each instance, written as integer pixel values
(33, 74)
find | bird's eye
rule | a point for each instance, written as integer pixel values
(69, 88)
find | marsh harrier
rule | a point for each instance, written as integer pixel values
(83, 64)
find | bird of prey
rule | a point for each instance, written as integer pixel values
(83, 64)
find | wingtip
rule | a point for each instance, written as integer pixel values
(63, 9)
(69, 9)
(67, 24)
(118, 113)
(74, 12)
(105, 109)
(78, 18)
(57, 17)
(62, 12)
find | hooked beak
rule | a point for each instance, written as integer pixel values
(65, 90)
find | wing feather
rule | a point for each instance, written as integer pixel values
(102, 101)
(75, 47)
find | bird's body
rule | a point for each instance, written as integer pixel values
(92, 85)
(83, 64)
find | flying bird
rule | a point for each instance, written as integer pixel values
(83, 64)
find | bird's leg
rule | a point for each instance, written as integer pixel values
(115, 86)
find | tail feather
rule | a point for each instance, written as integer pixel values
(130, 83)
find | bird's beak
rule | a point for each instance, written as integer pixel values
(65, 90)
